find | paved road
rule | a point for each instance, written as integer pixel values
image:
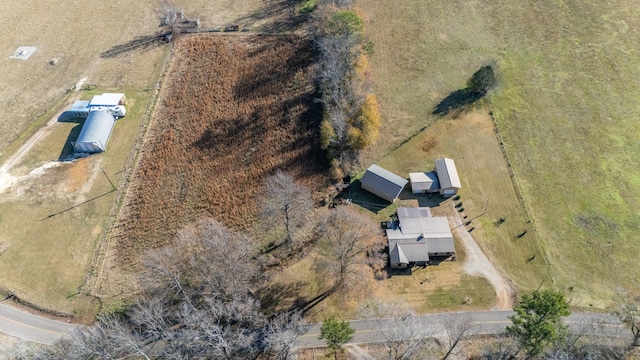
(30, 327)
(482, 322)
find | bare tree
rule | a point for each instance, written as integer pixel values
(628, 311)
(398, 329)
(281, 333)
(286, 202)
(503, 347)
(456, 329)
(351, 244)
(170, 17)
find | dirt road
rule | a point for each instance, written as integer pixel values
(477, 263)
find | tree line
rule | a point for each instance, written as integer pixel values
(351, 119)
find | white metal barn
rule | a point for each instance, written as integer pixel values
(448, 177)
(95, 133)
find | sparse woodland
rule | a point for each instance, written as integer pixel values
(351, 119)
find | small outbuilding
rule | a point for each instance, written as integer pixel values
(112, 103)
(424, 182)
(95, 133)
(448, 177)
(382, 183)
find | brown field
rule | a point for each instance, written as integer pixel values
(233, 110)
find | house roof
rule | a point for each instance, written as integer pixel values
(447, 174)
(382, 183)
(418, 235)
(404, 252)
(107, 99)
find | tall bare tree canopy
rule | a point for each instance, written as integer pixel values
(351, 249)
(198, 303)
(286, 203)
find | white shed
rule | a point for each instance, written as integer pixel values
(95, 133)
(448, 177)
(424, 182)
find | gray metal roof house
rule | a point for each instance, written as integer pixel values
(417, 237)
(448, 176)
(382, 183)
(95, 133)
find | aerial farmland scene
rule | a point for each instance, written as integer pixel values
(309, 179)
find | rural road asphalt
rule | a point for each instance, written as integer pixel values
(30, 327)
(482, 323)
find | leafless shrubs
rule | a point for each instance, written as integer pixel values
(351, 247)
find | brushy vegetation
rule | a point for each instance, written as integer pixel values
(351, 118)
(221, 127)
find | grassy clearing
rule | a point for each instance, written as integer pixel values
(566, 110)
(433, 289)
(53, 216)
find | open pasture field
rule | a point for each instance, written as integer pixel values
(53, 214)
(73, 39)
(233, 110)
(567, 111)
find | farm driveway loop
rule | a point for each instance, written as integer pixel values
(30, 327)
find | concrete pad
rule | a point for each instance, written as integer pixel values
(23, 52)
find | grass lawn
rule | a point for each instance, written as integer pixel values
(53, 216)
(566, 108)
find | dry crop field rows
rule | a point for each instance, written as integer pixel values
(233, 110)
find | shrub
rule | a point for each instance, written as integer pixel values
(308, 6)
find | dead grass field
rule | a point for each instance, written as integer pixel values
(567, 112)
(233, 110)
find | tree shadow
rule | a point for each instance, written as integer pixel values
(144, 42)
(275, 16)
(457, 101)
(274, 296)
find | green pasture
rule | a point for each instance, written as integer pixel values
(566, 109)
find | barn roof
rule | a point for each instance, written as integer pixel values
(447, 174)
(382, 183)
(95, 131)
(80, 105)
(107, 99)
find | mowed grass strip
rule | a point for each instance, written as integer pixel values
(566, 109)
(52, 218)
(233, 110)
